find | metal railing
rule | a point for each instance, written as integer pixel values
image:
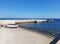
(56, 39)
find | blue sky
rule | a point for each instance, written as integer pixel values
(29, 8)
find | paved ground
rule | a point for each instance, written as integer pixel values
(21, 36)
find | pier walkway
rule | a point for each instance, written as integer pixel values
(21, 36)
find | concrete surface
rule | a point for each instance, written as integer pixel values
(21, 36)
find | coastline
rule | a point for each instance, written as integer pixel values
(46, 33)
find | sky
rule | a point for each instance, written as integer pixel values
(29, 8)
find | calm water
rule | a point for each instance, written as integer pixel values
(50, 26)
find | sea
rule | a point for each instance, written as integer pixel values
(49, 28)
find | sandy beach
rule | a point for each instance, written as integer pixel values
(21, 36)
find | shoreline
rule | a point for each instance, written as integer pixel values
(46, 33)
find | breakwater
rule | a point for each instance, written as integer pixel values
(31, 21)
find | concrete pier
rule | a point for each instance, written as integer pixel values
(22, 21)
(22, 36)
(29, 21)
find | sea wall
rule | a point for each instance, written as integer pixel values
(29, 21)
(22, 21)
